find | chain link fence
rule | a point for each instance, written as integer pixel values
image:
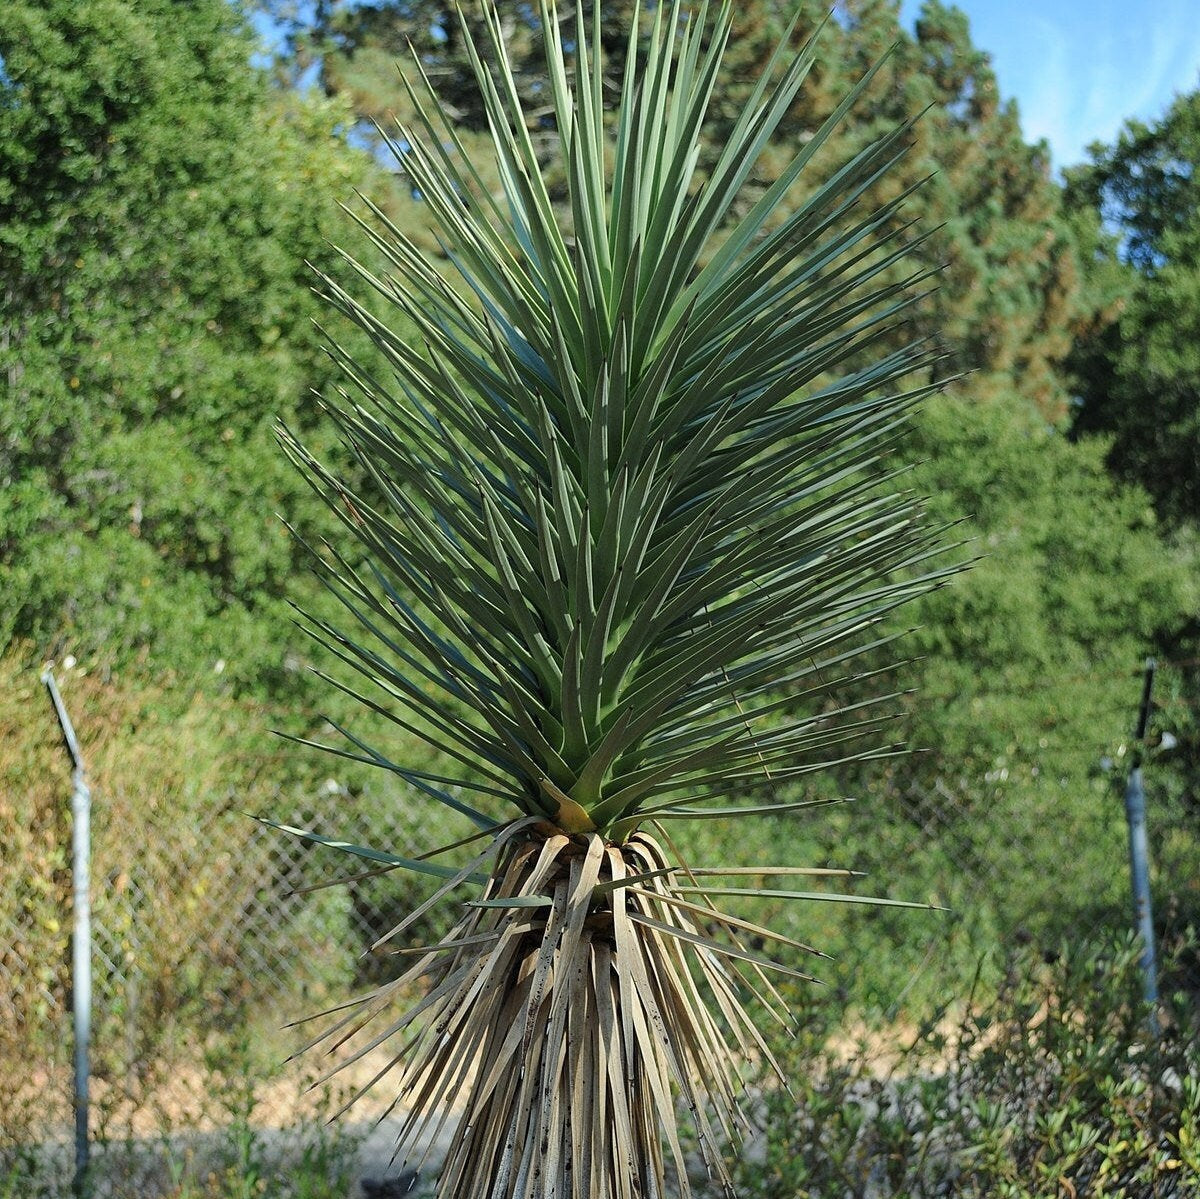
(206, 921)
(210, 933)
(200, 917)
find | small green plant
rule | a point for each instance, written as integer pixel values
(1052, 1086)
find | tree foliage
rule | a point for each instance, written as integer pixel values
(1137, 370)
(159, 202)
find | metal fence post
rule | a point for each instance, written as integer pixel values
(1139, 857)
(81, 936)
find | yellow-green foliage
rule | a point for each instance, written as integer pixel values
(168, 769)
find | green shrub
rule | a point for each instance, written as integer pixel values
(1049, 1086)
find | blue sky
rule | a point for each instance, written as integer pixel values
(1079, 68)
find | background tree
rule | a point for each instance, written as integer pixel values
(1136, 373)
(157, 205)
(1137, 367)
(997, 707)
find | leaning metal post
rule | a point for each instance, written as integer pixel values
(1139, 857)
(81, 937)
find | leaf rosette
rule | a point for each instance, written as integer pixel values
(627, 529)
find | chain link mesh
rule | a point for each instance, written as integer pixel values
(213, 921)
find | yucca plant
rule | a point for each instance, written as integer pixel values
(626, 527)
